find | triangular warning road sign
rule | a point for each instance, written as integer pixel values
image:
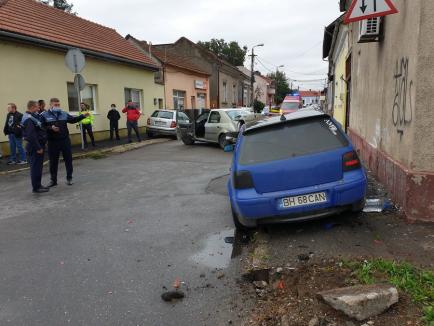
(365, 9)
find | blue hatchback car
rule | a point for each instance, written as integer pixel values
(294, 168)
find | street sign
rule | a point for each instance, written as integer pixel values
(79, 82)
(365, 9)
(75, 60)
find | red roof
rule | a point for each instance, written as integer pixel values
(168, 57)
(40, 21)
(310, 93)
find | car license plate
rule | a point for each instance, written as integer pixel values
(304, 200)
(160, 123)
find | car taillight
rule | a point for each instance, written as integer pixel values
(149, 121)
(173, 124)
(243, 180)
(351, 161)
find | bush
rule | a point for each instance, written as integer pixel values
(258, 106)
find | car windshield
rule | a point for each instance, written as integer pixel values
(182, 116)
(290, 106)
(236, 113)
(163, 115)
(290, 140)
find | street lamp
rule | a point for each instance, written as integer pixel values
(252, 78)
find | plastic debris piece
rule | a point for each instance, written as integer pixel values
(177, 284)
(377, 205)
(281, 285)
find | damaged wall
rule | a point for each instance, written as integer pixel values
(392, 115)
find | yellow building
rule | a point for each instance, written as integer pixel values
(338, 53)
(34, 39)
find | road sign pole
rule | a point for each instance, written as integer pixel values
(77, 87)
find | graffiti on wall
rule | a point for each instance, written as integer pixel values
(402, 113)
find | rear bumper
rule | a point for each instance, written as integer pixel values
(343, 195)
(161, 131)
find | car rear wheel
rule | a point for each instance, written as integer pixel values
(242, 226)
(222, 141)
(188, 141)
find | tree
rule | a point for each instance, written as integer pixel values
(60, 4)
(282, 86)
(258, 106)
(231, 52)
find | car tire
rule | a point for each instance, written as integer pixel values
(222, 141)
(187, 141)
(239, 225)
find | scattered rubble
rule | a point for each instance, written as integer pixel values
(361, 302)
(172, 296)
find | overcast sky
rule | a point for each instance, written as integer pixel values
(292, 30)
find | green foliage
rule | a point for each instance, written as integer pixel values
(60, 4)
(258, 106)
(418, 284)
(231, 52)
(282, 86)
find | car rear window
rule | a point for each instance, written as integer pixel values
(289, 140)
(163, 115)
(290, 106)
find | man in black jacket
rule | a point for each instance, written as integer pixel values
(12, 129)
(114, 117)
(56, 121)
(36, 137)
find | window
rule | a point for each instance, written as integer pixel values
(160, 103)
(214, 117)
(225, 92)
(290, 140)
(179, 100)
(158, 77)
(133, 95)
(203, 117)
(235, 94)
(88, 96)
(183, 117)
(201, 100)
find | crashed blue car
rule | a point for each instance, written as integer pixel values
(293, 168)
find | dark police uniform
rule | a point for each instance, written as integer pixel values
(36, 136)
(59, 142)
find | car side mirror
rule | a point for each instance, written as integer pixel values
(229, 148)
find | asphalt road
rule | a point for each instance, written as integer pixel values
(102, 251)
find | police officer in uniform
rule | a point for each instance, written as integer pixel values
(36, 137)
(56, 121)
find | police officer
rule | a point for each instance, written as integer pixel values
(56, 121)
(36, 137)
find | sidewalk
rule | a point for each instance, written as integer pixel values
(102, 147)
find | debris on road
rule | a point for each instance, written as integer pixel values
(377, 205)
(361, 302)
(172, 296)
(303, 257)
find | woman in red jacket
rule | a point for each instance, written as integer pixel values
(133, 115)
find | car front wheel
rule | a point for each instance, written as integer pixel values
(222, 141)
(187, 141)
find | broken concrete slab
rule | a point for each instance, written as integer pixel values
(361, 302)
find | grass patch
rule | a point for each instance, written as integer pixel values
(417, 283)
(96, 155)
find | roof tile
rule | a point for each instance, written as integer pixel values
(34, 19)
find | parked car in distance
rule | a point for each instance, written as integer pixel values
(214, 126)
(163, 122)
(294, 168)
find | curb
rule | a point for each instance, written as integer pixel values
(110, 150)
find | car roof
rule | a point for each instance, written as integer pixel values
(276, 120)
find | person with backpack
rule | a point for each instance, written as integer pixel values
(114, 117)
(133, 116)
(13, 130)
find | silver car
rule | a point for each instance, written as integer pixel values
(214, 126)
(163, 122)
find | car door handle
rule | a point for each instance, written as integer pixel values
(218, 127)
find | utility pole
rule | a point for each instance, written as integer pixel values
(252, 74)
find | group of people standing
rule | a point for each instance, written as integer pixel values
(41, 127)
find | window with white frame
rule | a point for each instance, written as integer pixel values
(88, 96)
(179, 100)
(133, 95)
